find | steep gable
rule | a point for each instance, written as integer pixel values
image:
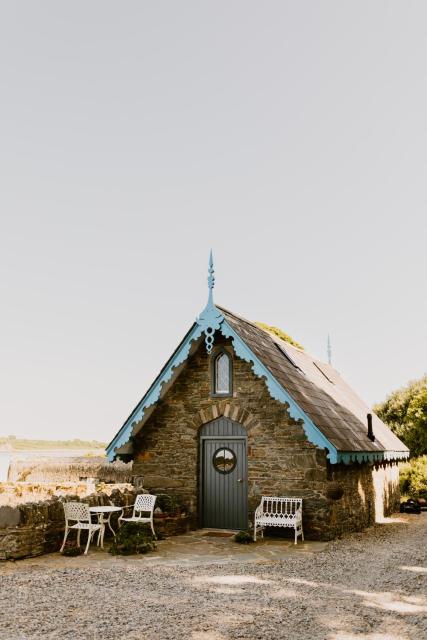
(332, 415)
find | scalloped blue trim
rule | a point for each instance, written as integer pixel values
(348, 457)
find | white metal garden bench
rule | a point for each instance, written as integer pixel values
(78, 513)
(279, 512)
(144, 503)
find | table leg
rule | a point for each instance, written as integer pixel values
(109, 525)
(99, 542)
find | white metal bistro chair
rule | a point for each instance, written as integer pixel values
(78, 512)
(144, 503)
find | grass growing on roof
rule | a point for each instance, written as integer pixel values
(279, 333)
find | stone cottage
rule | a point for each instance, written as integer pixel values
(237, 413)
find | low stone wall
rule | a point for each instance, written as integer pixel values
(35, 528)
(32, 529)
(172, 525)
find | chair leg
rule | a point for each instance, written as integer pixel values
(78, 537)
(65, 539)
(89, 538)
(296, 535)
(152, 529)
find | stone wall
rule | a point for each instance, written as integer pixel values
(370, 493)
(281, 461)
(171, 525)
(32, 529)
(36, 528)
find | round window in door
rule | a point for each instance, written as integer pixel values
(224, 460)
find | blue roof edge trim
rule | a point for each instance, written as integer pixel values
(276, 391)
(347, 457)
(153, 393)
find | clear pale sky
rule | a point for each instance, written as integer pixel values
(288, 136)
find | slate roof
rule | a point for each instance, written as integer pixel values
(319, 390)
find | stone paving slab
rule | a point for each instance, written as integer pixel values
(192, 549)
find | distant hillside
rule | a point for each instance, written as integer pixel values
(12, 442)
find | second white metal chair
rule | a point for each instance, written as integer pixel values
(144, 503)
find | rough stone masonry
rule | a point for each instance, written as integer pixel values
(281, 461)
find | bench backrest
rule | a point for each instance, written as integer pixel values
(280, 507)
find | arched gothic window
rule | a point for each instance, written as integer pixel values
(222, 374)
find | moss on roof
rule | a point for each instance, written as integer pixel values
(279, 333)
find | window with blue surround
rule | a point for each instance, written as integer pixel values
(222, 383)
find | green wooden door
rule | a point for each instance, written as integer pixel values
(224, 475)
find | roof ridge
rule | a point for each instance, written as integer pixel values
(235, 315)
(275, 338)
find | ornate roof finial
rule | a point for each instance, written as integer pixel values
(211, 279)
(210, 318)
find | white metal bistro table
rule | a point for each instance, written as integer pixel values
(104, 515)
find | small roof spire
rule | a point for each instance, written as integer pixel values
(211, 317)
(329, 350)
(211, 279)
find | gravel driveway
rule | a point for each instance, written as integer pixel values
(370, 585)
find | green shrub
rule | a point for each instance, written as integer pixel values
(72, 551)
(413, 478)
(167, 504)
(131, 538)
(243, 537)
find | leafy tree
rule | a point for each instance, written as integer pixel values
(413, 478)
(279, 333)
(405, 412)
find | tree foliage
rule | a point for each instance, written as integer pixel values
(413, 478)
(279, 333)
(405, 412)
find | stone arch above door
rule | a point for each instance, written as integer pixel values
(228, 409)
